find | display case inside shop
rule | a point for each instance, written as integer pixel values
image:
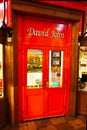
(82, 79)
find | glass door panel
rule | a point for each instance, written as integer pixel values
(55, 68)
(34, 68)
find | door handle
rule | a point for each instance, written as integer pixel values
(47, 84)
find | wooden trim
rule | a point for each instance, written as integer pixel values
(15, 68)
(74, 68)
(43, 9)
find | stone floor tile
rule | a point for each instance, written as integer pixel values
(42, 128)
(51, 127)
(32, 125)
(43, 122)
(56, 123)
(57, 120)
(76, 124)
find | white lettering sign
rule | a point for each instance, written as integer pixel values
(33, 32)
(44, 33)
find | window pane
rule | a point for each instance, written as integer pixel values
(82, 79)
(55, 68)
(1, 70)
(34, 68)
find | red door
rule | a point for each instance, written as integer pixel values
(44, 88)
(44, 68)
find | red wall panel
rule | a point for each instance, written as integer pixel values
(73, 5)
(8, 20)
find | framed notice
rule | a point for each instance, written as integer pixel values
(56, 62)
(56, 58)
(56, 54)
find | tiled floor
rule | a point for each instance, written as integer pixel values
(56, 123)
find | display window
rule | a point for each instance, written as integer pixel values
(55, 68)
(1, 71)
(82, 80)
(34, 68)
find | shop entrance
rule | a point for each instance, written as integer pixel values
(44, 68)
(44, 91)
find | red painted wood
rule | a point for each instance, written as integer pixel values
(9, 14)
(1, 14)
(8, 17)
(43, 102)
(71, 5)
(1, 83)
(1, 1)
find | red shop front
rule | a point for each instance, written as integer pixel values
(43, 61)
(44, 53)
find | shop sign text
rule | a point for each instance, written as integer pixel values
(44, 33)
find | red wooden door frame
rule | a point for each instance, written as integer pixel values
(66, 46)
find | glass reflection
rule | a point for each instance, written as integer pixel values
(34, 68)
(55, 68)
(82, 76)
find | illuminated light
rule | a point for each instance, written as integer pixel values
(60, 27)
(1, 6)
(9, 39)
